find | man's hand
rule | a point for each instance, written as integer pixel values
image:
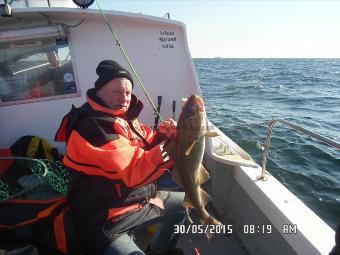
(168, 128)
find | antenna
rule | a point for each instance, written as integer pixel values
(167, 15)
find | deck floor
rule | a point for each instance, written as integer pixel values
(218, 245)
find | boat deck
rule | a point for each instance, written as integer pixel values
(219, 244)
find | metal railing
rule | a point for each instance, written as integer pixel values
(296, 127)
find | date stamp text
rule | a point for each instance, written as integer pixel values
(203, 229)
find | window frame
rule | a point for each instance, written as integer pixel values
(51, 97)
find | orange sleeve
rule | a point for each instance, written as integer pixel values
(149, 134)
(152, 137)
(135, 166)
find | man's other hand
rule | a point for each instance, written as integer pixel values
(168, 128)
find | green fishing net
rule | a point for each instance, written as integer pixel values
(4, 190)
(30, 178)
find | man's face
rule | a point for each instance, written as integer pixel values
(116, 94)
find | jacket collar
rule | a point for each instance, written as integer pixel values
(97, 104)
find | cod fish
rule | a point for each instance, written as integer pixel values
(188, 171)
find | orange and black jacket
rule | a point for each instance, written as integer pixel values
(113, 161)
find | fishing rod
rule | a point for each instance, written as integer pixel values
(158, 110)
(156, 113)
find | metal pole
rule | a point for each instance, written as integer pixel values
(296, 127)
(313, 134)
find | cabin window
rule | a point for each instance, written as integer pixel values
(35, 70)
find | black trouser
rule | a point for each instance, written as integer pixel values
(164, 239)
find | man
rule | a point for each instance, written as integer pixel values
(113, 162)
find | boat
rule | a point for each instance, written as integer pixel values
(49, 51)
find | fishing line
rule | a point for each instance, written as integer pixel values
(118, 43)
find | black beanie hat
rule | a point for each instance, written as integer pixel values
(107, 70)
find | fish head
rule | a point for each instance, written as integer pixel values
(194, 105)
(192, 118)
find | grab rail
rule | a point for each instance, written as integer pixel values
(296, 127)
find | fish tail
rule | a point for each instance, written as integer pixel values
(208, 223)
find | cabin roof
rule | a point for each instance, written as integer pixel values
(57, 12)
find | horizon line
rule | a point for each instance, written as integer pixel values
(268, 57)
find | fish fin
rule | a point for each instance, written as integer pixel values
(177, 177)
(211, 134)
(204, 175)
(205, 197)
(209, 222)
(187, 202)
(187, 152)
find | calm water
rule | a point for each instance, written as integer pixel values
(303, 91)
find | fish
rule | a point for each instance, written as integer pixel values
(188, 171)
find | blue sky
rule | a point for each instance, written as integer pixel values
(291, 29)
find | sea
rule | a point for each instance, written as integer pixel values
(241, 94)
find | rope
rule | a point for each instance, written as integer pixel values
(118, 43)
